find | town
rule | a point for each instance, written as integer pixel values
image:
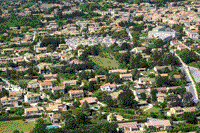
(121, 66)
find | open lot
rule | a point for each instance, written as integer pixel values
(10, 126)
(105, 62)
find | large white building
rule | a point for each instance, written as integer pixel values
(31, 98)
(191, 34)
(159, 32)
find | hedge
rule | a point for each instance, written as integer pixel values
(18, 117)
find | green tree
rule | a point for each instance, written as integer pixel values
(153, 94)
(51, 47)
(85, 106)
(16, 131)
(76, 103)
(135, 74)
(126, 99)
(70, 124)
(41, 78)
(187, 99)
(82, 118)
(143, 96)
(40, 126)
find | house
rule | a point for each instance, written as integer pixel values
(191, 34)
(80, 52)
(7, 51)
(60, 89)
(22, 51)
(145, 81)
(115, 95)
(50, 76)
(90, 100)
(32, 98)
(57, 106)
(161, 68)
(70, 82)
(101, 77)
(1, 88)
(108, 87)
(128, 127)
(41, 49)
(33, 111)
(123, 71)
(46, 86)
(55, 117)
(76, 93)
(15, 94)
(118, 117)
(9, 101)
(44, 68)
(126, 76)
(178, 111)
(177, 77)
(138, 49)
(76, 61)
(34, 83)
(159, 124)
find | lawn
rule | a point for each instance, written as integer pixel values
(10, 126)
(105, 62)
(153, 109)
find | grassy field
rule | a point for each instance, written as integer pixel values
(154, 109)
(105, 62)
(10, 126)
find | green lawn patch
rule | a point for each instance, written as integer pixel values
(153, 109)
(10, 126)
(105, 62)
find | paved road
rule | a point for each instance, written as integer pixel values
(195, 73)
(190, 86)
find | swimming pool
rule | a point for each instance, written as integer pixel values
(52, 126)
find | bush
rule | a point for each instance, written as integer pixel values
(18, 117)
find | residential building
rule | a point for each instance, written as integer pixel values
(70, 82)
(55, 117)
(138, 49)
(108, 87)
(161, 68)
(33, 111)
(34, 83)
(44, 68)
(126, 76)
(60, 89)
(76, 93)
(16, 94)
(123, 71)
(191, 34)
(118, 117)
(31, 98)
(128, 127)
(178, 111)
(46, 86)
(9, 101)
(159, 124)
(90, 100)
(145, 81)
(57, 106)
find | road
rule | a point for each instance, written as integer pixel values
(190, 86)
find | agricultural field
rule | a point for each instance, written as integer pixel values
(10, 126)
(105, 62)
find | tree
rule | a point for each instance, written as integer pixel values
(135, 74)
(70, 124)
(190, 117)
(40, 126)
(76, 103)
(51, 47)
(143, 96)
(81, 118)
(113, 78)
(187, 99)
(65, 115)
(126, 99)
(153, 94)
(16, 131)
(41, 78)
(85, 106)
(22, 84)
(113, 118)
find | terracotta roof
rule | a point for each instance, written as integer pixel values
(75, 91)
(58, 88)
(46, 83)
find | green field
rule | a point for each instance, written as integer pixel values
(105, 62)
(10, 126)
(154, 109)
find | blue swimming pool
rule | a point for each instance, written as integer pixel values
(52, 126)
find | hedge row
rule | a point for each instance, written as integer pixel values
(18, 117)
